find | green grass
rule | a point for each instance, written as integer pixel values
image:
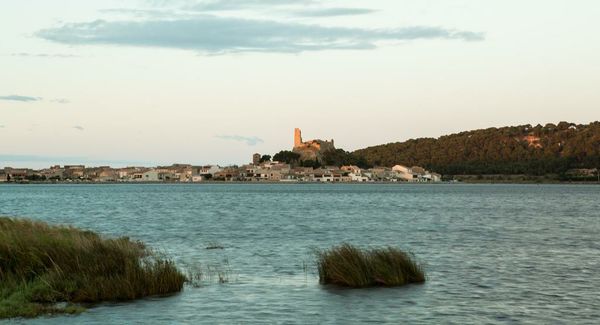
(55, 269)
(349, 266)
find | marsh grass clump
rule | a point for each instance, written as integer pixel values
(349, 266)
(55, 269)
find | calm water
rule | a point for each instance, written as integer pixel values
(493, 253)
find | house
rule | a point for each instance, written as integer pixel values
(16, 174)
(435, 177)
(101, 174)
(340, 176)
(74, 171)
(160, 175)
(382, 174)
(402, 169)
(321, 175)
(182, 172)
(130, 173)
(53, 173)
(227, 174)
(202, 173)
(352, 169)
(418, 170)
(358, 178)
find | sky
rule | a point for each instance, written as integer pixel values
(149, 82)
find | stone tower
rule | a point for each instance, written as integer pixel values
(256, 159)
(297, 137)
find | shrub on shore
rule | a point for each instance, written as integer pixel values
(53, 269)
(349, 266)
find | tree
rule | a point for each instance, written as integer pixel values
(310, 163)
(340, 157)
(265, 158)
(287, 157)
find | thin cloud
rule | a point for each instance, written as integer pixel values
(19, 98)
(61, 101)
(141, 13)
(44, 55)
(2, 126)
(298, 8)
(79, 127)
(222, 35)
(225, 5)
(332, 12)
(251, 141)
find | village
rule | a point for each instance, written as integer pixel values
(259, 170)
(271, 171)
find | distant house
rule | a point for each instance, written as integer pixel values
(405, 173)
(53, 173)
(382, 174)
(136, 176)
(101, 174)
(321, 175)
(433, 177)
(202, 173)
(130, 173)
(352, 169)
(415, 174)
(74, 171)
(160, 175)
(227, 174)
(358, 178)
(418, 170)
(16, 174)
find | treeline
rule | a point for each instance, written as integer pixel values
(525, 149)
(337, 157)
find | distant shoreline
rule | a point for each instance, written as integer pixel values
(470, 182)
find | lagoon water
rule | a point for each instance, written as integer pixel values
(493, 253)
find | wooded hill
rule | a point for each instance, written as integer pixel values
(525, 149)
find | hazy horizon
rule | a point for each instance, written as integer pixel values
(155, 82)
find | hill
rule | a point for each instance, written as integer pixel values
(525, 149)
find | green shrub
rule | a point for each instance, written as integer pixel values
(349, 266)
(42, 266)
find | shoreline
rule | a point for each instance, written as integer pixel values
(472, 182)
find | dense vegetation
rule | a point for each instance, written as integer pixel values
(525, 149)
(340, 157)
(286, 156)
(349, 266)
(265, 158)
(42, 266)
(337, 157)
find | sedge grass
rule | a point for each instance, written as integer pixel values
(349, 266)
(55, 269)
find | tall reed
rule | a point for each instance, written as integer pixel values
(42, 265)
(349, 266)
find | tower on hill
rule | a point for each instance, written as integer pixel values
(297, 137)
(312, 149)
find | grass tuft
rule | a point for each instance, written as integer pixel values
(349, 266)
(54, 269)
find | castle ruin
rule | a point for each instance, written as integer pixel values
(312, 149)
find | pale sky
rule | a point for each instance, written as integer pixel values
(151, 82)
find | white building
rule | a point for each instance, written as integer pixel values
(201, 173)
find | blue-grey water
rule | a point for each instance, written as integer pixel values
(493, 253)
